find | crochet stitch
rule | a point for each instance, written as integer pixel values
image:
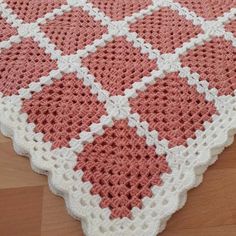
(123, 103)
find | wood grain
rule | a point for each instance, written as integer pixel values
(28, 208)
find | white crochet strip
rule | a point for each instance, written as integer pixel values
(187, 163)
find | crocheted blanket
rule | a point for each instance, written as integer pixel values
(122, 103)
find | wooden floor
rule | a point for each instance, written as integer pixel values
(28, 208)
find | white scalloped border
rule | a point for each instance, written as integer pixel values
(194, 178)
(186, 173)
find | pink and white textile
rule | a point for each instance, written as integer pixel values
(122, 103)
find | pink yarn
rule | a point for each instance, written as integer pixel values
(62, 110)
(6, 30)
(165, 30)
(22, 64)
(231, 27)
(209, 9)
(174, 109)
(119, 9)
(121, 168)
(118, 65)
(215, 61)
(31, 10)
(73, 30)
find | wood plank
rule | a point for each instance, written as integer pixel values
(16, 170)
(21, 210)
(55, 219)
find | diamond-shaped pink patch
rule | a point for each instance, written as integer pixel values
(173, 108)
(22, 64)
(165, 30)
(208, 9)
(121, 168)
(118, 9)
(62, 110)
(118, 65)
(215, 61)
(31, 10)
(6, 30)
(73, 30)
